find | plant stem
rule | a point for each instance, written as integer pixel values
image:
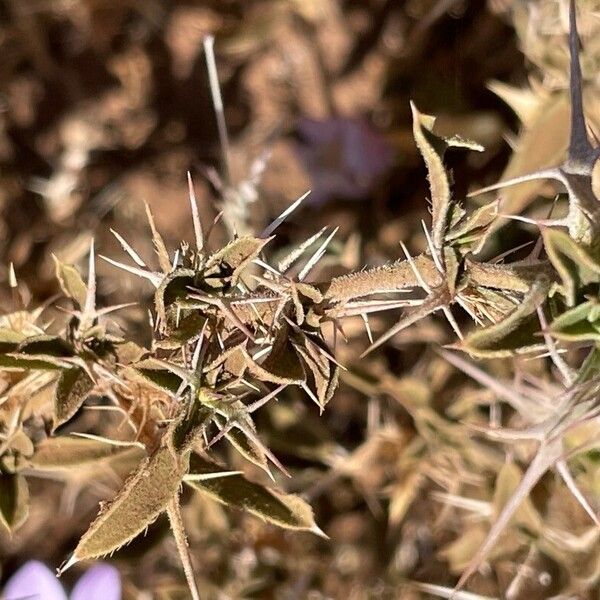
(174, 512)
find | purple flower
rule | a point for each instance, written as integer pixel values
(344, 157)
(34, 580)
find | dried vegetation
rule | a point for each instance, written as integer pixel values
(453, 448)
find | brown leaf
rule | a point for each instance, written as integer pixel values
(73, 387)
(141, 500)
(14, 500)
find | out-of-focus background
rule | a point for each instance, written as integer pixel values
(105, 105)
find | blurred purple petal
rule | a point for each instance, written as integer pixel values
(35, 581)
(344, 157)
(101, 582)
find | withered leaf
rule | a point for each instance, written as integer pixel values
(71, 282)
(73, 387)
(187, 327)
(9, 339)
(514, 334)
(157, 375)
(432, 148)
(62, 452)
(14, 500)
(514, 277)
(248, 448)
(230, 261)
(173, 287)
(471, 232)
(507, 482)
(282, 365)
(139, 502)
(47, 345)
(285, 510)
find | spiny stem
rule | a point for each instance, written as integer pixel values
(174, 512)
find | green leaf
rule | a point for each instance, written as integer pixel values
(581, 323)
(188, 326)
(141, 500)
(14, 500)
(71, 282)
(285, 510)
(573, 262)
(515, 334)
(73, 387)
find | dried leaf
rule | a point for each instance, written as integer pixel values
(229, 262)
(60, 453)
(514, 277)
(14, 500)
(139, 502)
(46, 345)
(516, 333)
(174, 286)
(432, 149)
(73, 387)
(285, 510)
(71, 282)
(507, 482)
(158, 375)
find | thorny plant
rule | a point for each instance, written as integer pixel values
(232, 330)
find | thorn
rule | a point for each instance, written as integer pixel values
(450, 318)
(195, 215)
(90, 297)
(213, 225)
(293, 256)
(318, 531)
(432, 249)
(67, 565)
(367, 327)
(314, 259)
(154, 278)
(580, 149)
(283, 216)
(552, 173)
(132, 253)
(215, 90)
(413, 266)
(12, 277)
